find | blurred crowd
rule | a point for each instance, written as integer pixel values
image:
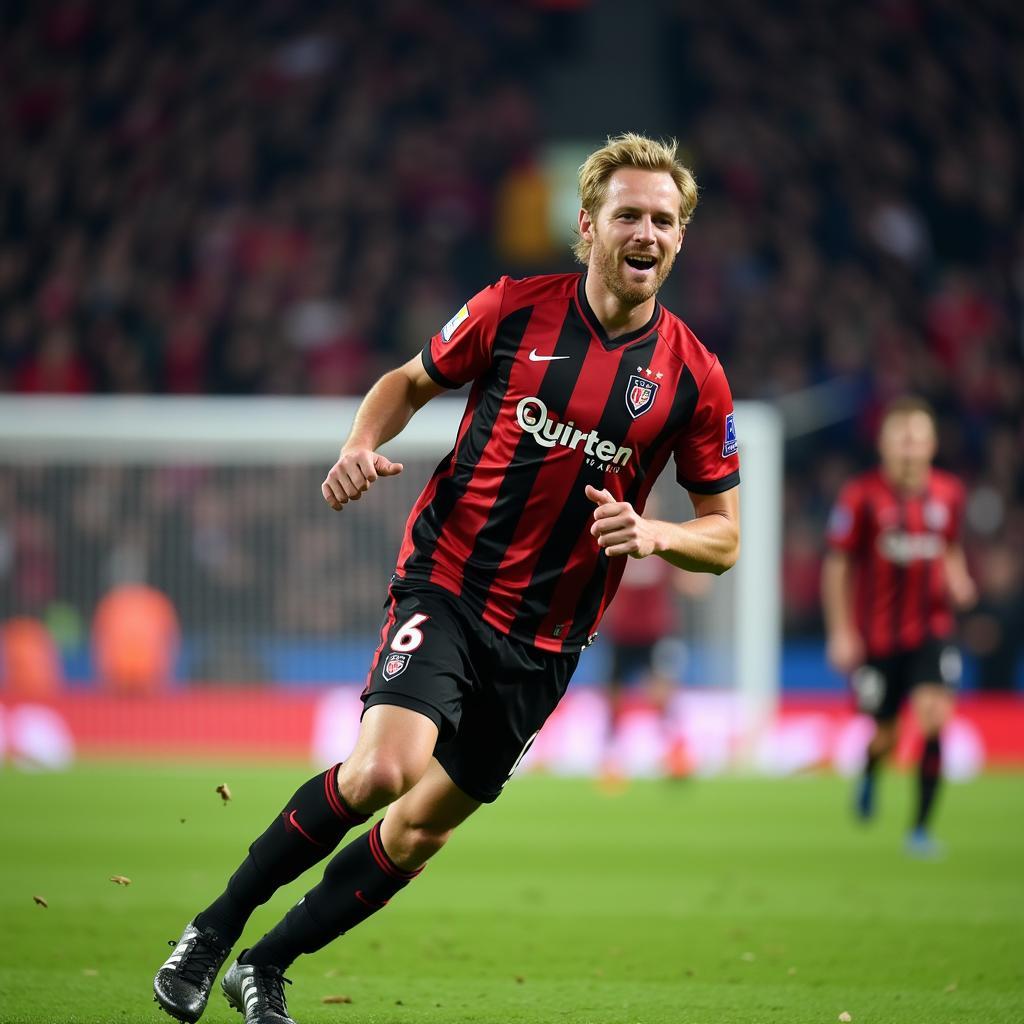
(246, 198)
(290, 198)
(861, 236)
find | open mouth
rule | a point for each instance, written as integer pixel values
(640, 262)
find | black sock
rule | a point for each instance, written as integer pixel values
(871, 763)
(357, 883)
(311, 825)
(929, 774)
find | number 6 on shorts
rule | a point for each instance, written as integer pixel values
(410, 636)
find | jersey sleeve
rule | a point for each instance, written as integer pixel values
(461, 350)
(846, 520)
(707, 454)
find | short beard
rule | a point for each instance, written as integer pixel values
(630, 295)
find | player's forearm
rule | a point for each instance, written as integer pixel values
(836, 601)
(957, 576)
(710, 543)
(959, 583)
(384, 412)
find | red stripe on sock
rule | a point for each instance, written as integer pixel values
(384, 862)
(340, 808)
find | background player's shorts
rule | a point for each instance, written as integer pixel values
(882, 684)
(630, 662)
(634, 663)
(487, 693)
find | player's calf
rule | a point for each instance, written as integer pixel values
(864, 804)
(358, 882)
(306, 831)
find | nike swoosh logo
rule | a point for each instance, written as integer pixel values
(293, 821)
(372, 904)
(534, 358)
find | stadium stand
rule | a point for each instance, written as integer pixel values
(235, 199)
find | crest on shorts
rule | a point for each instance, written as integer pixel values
(640, 395)
(395, 665)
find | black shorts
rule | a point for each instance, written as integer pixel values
(881, 685)
(487, 693)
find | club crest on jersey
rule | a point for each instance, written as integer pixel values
(453, 325)
(640, 395)
(395, 665)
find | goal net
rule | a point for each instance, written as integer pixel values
(216, 504)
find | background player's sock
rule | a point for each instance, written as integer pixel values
(866, 797)
(929, 775)
(357, 883)
(866, 786)
(311, 825)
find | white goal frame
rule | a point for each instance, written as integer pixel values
(239, 431)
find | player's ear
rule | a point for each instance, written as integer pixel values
(586, 225)
(682, 235)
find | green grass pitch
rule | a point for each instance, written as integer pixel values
(733, 901)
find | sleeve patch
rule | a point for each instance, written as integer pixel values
(454, 324)
(731, 444)
(840, 523)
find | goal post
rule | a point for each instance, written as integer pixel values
(758, 606)
(216, 501)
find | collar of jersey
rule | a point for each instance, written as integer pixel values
(595, 325)
(901, 495)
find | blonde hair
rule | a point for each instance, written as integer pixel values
(907, 404)
(631, 150)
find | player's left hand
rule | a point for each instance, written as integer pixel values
(618, 527)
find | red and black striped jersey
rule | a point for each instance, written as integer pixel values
(897, 545)
(555, 405)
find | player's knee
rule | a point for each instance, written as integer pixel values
(933, 716)
(375, 783)
(931, 725)
(885, 739)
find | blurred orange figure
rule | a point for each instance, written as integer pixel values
(135, 639)
(30, 666)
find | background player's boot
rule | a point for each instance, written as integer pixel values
(257, 993)
(864, 805)
(921, 845)
(182, 986)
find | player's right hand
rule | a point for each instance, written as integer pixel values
(350, 477)
(845, 651)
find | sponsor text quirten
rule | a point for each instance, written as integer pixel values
(532, 416)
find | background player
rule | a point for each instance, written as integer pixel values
(583, 386)
(894, 569)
